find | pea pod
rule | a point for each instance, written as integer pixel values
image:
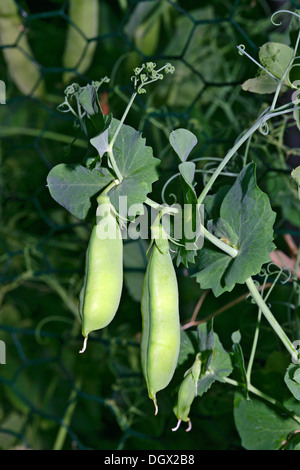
(79, 52)
(160, 340)
(18, 55)
(103, 281)
(186, 394)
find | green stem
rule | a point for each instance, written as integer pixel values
(110, 148)
(160, 207)
(269, 316)
(62, 432)
(214, 240)
(226, 159)
(261, 120)
(217, 242)
(256, 334)
(254, 345)
(122, 120)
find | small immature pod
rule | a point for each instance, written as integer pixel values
(160, 341)
(186, 394)
(102, 288)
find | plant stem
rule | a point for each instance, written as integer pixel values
(214, 240)
(226, 159)
(122, 120)
(254, 345)
(62, 432)
(110, 147)
(218, 243)
(260, 121)
(269, 316)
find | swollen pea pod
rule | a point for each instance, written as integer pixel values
(84, 24)
(18, 54)
(186, 394)
(102, 288)
(160, 340)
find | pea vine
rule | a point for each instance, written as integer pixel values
(236, 222)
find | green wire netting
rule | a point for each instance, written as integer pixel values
(52, 397)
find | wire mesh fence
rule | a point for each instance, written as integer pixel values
(50, 396)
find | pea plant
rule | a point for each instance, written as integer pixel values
(228, 242)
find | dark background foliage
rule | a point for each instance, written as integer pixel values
(50, 396)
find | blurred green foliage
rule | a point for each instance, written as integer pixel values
(42, 247)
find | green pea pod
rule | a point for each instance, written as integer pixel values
(160, 340)
(102, 288)
(84, 24)
(186, 394)
(19, 57)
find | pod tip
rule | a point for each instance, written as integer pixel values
(156, 407)
(177, 426)
(189, 426)
(84, 345)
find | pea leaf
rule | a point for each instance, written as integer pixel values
(206, 342)
(274, 57)
(183, 142)
(263, 84)
(136, 163)
(292, 380)
(296, 176)
(94, 122)
(187, 173)
(247, 210)
(186, 346)
(73, 186)
(259, 426)
(219, 367)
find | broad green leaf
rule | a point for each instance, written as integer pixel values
(211, 265)
(73, 186)
(247, 211)
(296, 176)
(183, 142)
(292, 380)
(283, 193)
(100, 142)
(206, 342)
(187, 174)
(263, 84)
(221, 229)
(219, 367)
(276, 57)
(94, 121)
(136, 164)
(186, 346)
(260, 426)
(213, 202)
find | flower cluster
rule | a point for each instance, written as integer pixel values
(147, 73)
